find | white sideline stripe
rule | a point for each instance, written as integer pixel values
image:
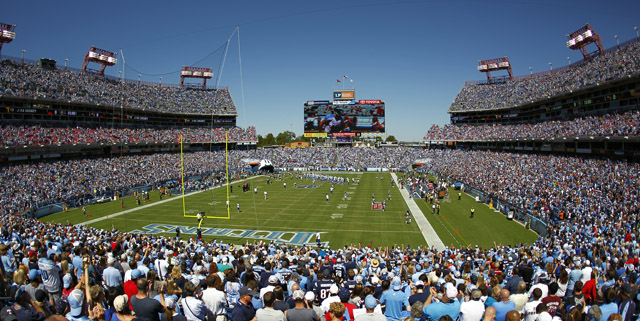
(428, 232)
(96, 220)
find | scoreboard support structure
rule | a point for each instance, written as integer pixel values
(196, 72)
(579, 39)
(99, 56)
(495, 64)
(7, 33)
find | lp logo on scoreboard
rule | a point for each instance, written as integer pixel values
(337, 94)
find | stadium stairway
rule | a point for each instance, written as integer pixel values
(427, 230)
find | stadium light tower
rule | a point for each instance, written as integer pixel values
(579, 39)
(495, 64)
(637, 34)
(100, 56)
(617, 40)
(196, 72)
(7, 33)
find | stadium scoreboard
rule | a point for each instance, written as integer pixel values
(344, 117)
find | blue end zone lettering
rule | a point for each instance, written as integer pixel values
(187, 230)
(293, 238)
(239, 233)
(155, 229)
(216, 232)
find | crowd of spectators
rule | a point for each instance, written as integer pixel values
(586, 269)
(614, 64)
(32, 185)
(28, 186)
(23, 80)
(353, 158)
(38, 135)
(548, 186)
(627, 124)
(543, 185)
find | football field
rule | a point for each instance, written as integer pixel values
(293, 215)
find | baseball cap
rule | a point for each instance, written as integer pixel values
(273, 279)
(76, 298)
(295, 276)
(396, 283)
(419, 283)
(370, 302)
(334, 289)
(111, 259)
(60, 306)
(66, 281)
(246, 291)
(310, 296)
(120, 302)
(170, 302)
(452, 292)
(33, 274)
(135, 274)
(298, 295)
(344, 294)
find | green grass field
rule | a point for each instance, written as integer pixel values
(293, 215)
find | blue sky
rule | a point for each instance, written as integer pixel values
(415, 55)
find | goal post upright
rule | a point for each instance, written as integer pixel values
(184, 208)
(226, 152)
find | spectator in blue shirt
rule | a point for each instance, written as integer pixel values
(396, 301)
(447, 303)
(504, 305)
(610, 307)
(111, 276)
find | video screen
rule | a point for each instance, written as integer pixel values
(344, 120)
